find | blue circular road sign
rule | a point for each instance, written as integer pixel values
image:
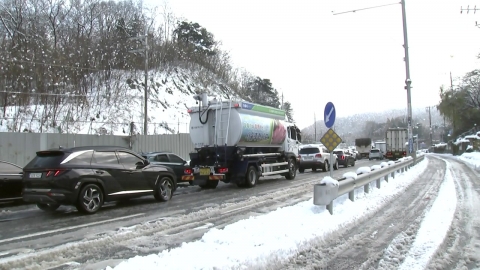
(329, 115)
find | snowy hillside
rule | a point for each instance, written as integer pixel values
(113, 103)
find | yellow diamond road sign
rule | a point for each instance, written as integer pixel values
(331, 140)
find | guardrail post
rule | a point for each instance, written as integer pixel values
(330, 208)
(386, 178)
(379, 182)
(393, 174)
(351, 195)
(366, 188)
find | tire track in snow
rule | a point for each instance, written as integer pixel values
(461, 248)
(361, 245)
(434, 226)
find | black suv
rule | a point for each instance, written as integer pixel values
(90, 175)
(168, 159)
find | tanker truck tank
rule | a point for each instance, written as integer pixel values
(240, 123)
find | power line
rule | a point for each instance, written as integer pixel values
(48, 64)
(355, 10)
(468, 9)
(64, 95)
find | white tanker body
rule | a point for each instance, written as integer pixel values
(238, 142)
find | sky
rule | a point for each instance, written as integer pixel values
(354, 60)
(259, 245)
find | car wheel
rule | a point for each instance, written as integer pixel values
(251, 178)
(292, 170)
(326, 166)
(314, 169)
(90, 199)
(48, 207)
(163, 189)
(301, 170)
(335, 166)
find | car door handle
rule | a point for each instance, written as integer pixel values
(99, 172)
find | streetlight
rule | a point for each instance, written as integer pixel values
(145, 50)
(408, 81)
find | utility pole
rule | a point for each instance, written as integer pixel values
(408, 81)
(145, 101)
(282, 101)
(430, 122)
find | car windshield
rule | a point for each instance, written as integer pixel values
(374, 151)
(310, 150)
(340, 153)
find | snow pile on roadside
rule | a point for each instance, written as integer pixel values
(274, 236)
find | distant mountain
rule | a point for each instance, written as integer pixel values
(355, 126)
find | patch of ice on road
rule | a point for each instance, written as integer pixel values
(206, 226)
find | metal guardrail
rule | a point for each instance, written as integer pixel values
(324, 194)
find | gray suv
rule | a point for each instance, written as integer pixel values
(315, 157)
(375, 154)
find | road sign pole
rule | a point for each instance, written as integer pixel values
(331, 164)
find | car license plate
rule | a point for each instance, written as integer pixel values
(308, 158)
(35, 175)
(204, 171)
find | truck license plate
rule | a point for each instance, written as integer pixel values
(35, 175)
(204, 171)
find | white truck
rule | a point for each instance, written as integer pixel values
(238, 142)
(382, 146)
(396, 139)
(363, 146)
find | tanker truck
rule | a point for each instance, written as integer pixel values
(239, 142)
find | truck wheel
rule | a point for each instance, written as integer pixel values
(292, 170)
(326, 167)
(210, 184)
(301, 170)
(251, 178)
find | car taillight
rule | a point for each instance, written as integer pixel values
(222, 170)
(342, 157)
(54, 173)
(404, 153)
(188, 171)
(318, 155)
